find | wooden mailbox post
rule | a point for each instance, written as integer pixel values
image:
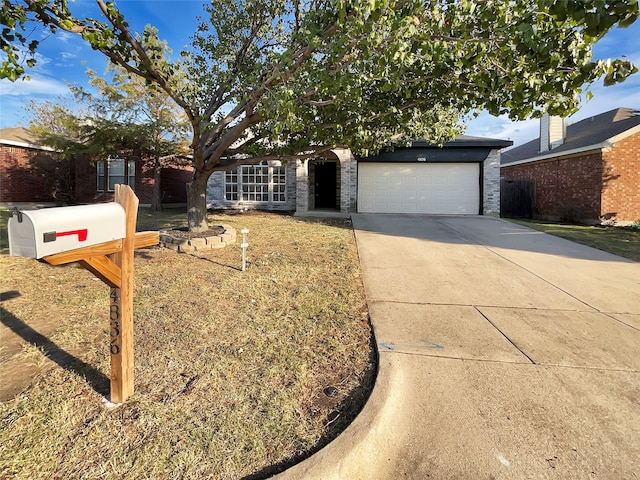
(112, 262)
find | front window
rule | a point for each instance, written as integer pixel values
(259, 183)
(231, 185)
(115, 168)
(114, 171)
(131, 173)
(279, 178)
(255, 183)
(100, 171)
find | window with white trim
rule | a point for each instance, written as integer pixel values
(100, 175)
(255, 183)
(231, 185)
(279, 181)
(114, 171)
(258, 183)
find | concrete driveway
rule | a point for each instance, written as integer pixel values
(504, 353)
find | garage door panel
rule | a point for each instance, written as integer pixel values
(437, 188)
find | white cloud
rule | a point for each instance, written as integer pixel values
(68, 55)
(37, 85)
(17, 95)
(503, 128)
(626, 94)
(64, 37)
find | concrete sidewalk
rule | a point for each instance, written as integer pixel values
(504, 353)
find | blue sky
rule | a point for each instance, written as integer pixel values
(64, 58)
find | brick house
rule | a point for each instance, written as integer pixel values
(30, 173)
(23, 167)
(459, 177)
(588, 171)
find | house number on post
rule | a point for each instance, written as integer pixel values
(109, 256)
(114, 317)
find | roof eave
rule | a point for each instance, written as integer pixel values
(625, 134)
(26, 145)
(487, 143)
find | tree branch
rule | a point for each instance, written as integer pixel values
(230, 163)
(154, 75)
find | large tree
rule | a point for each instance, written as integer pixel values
(290, 79)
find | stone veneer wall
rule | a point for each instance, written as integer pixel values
(298, 189)
(348, 179)
(491, 184)
(347, 176)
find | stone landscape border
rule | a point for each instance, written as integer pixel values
(187, 245)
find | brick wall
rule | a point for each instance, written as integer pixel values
(621, 180)
(86, 185)
(348, 180)
(27, 175)
(566, 187)
(587, 187)
(173, 181)
(23, 176)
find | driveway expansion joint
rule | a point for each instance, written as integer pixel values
(505, 336)
(482, 305)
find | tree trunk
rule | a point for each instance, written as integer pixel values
(156, 194)
(197, 202)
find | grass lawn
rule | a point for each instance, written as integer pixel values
(4, 243)
(622, 241)
(237, 374)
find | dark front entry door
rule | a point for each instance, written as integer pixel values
(325, 185)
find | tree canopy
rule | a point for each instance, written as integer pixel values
(289, 79)
(124, 116)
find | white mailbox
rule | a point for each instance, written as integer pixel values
(38, 233)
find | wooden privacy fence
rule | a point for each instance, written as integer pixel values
(517, 198)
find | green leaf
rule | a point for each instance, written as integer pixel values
(66, 24)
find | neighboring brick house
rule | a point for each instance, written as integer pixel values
(588, 171)
(23, 167)
(27, 174)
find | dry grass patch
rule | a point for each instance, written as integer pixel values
(237, 373)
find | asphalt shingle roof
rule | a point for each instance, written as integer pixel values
(18, 135)
(590, 131)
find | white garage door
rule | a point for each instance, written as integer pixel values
(437, 188)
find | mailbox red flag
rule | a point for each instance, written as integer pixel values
(52, 236)
(82, 234)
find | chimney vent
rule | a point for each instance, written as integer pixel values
(553, 130)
